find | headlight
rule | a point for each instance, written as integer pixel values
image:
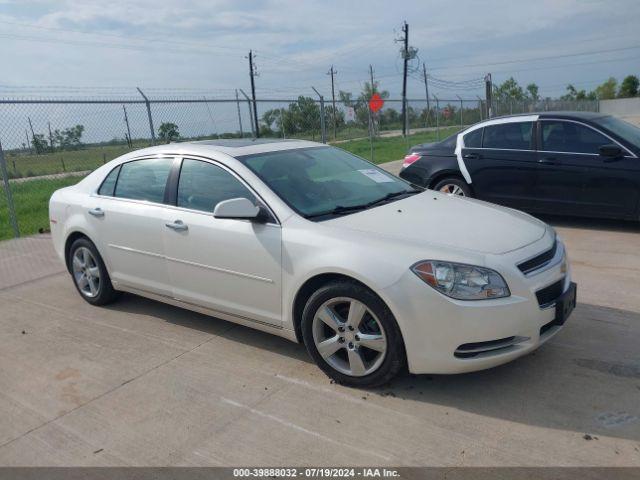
(462, 282)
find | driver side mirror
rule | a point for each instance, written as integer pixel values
(611, 151)
(240, 209)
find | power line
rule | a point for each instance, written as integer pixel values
(533, 59)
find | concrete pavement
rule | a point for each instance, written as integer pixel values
(142, 383)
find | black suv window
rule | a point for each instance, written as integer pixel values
(144, 179)
(203, 185)
(473, 139)
(513, 136)
(559, 136)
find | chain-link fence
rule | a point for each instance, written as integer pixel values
(51, 143)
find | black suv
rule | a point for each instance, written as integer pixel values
(571, 163)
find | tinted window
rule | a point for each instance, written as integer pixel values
(109, 183)
(473, 139)
(203, 185)
(623, 129)
(515, 135)
(571, 137)
(144, 179)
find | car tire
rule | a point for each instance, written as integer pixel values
(376, 330)
(453, 186)
(89, 273)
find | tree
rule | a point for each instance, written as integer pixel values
(168, 132)
(69, 138)
(39, 143)
(573, 94)
(607, 90)
(532, 92)
(629, 87)
(508, 90)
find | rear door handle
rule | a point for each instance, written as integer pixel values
(96, 212)
(471, 156)
(177, 226)
(547, 161)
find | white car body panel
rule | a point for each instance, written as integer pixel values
(258, 269)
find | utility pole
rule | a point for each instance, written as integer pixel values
(405, 54)
(332, 72)
(252, 74)
(239, 116)
(426, 91)
(488, 93)
(126, 121)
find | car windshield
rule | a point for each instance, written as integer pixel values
(624, 130)
(322, 182)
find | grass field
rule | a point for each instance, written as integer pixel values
(387, 149)
(31, 200)
(31, 197)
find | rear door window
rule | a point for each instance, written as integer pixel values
(570, 137)
(144, 179)
(508, 136)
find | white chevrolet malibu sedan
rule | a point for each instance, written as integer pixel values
(317, 245)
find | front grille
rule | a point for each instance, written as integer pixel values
(548, 295)
(538, 261)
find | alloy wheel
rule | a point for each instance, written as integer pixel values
(86, 272)
(452, 189)
(349, 337)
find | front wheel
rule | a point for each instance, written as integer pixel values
(352, 335)
(453, 186)
(89, 273)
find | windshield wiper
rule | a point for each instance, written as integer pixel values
(340, 209)
(391, 195)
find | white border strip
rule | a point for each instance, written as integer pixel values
(497, 121)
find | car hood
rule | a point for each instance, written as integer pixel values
(433, 218)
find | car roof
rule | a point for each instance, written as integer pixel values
(232, 147)
(558, 114)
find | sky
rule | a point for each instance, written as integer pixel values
(199, 46)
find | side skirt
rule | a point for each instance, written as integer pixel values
(229, 317)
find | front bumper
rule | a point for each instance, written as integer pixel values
(444, 336)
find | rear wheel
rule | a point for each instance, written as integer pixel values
(453, 186)
(89, 273)
(352, 335)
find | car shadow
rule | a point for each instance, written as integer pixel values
(585, 379)
(591, 223)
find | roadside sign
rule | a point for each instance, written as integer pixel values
(375, 102)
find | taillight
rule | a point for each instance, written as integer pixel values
(409, 159)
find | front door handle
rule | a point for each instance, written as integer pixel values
(96, 212)
(177, 226)
(547, 161)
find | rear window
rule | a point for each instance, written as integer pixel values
(509, 136)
